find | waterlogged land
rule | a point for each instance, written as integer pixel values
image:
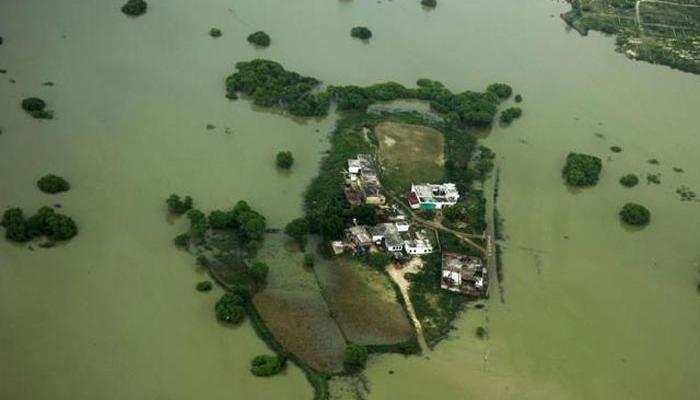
(659, 32)
(585, 315)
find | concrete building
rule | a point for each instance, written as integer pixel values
(359, 239)
(363, 182)
(431, 196)
(387, 236)
(417, 247)
(464, 274)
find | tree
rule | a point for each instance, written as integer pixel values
(52, 184)
(582, 169)
(229, 309)
(508, 115)
(215, 32)
(36, 107)
(61, 227)
(502, 90)
(453, 214)
(429, 3)
(629, 180)
(264, 365)
(309, 260)
(178, 206)
(428, 214)
(361, 32)
(259, 271)
(635, 214)
(366, 214)
(259, 38)
(518, 98)
(377, 260)
(134, 8)
(182, 240)
(481, 333)
(220, 219)
(297, 229)
(331, 226)
(204, 286)
(356, 356)
(285, 159)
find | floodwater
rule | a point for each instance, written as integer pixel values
(592, 309)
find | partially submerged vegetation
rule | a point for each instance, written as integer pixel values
(659, 32)
(284, 159)
(510, 114)
(267, 365)
(134, 8)
(635, 214)
(215, 32)
(179, 206)
(629, 180)
(36, 107)
(582, 169)
(429, 3)
(52, 184)
(46, 222)
(259, 38)
(361, 32)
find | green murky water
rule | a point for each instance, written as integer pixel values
(591, 309)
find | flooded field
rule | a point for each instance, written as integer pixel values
(592, 309)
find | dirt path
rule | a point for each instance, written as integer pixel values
(397, 276)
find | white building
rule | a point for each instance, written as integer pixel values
(387, 235)
(417, 247)
(431, 196)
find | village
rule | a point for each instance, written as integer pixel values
(402, 236)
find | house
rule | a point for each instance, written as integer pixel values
(373, 194)
(464, 274)
(359, 239)
(417, 247)
(402, 226)
(433, 196)
(338, 247)
(363, 181)
(353, 196)
(388, 236)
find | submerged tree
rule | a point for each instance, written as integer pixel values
(508, 115)
(135, 8)
(285, 159)
(429, 3)
(629, 180)
(52, 184)
(265, 365)
(36, 107)
(179, 206)
(259, 38)
(361, 32)
(582, 169)
(229, 309)
(635, 214)
(215, 32)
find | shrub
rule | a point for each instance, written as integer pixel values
(508, 115)
(377, 260)
(481, 333)
(215, 32)
(582, 169)
(635, 214)
(135, 8)
(259, 38)
(285, 159)
(179, 206)
(182, 240)
(204, 286)
(360, 32)
(309, 260)
(654, 178)
(615, 149)
(265, 365)
(36, 107)
(518, 98)
(297, 230)
(429, 3)
(52, 184)
(259, 271)
(629, 180)
(202, 260)
(355, 356)
(229, 309)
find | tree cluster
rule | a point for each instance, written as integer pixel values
(248, 223)
(179, 206)
(510, 114)
(259, 38)
(356, 356)
(36, 107)
(135, 8)
(46, 222)
(360, 32)
(297, 229)
(501, 90)
(230, 309)
(629, 180)
(284, 159)
(270, 85)
(582, 169)
(258, 271)
(52, 184)
(635, 214)
(266, 365)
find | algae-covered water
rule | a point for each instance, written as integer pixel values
(592, 309)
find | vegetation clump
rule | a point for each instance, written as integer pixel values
(429, 3)
(654, 178)
(135, 8)
(297, 229)
(182, 240)
(518, 98)
(635, 214)
(481, 333)
(615, 149)
(258, 271)
(284, 159)
(204, 286)
(52, 184)
(36, 107)
(266, 365)
(361, 32)
(582, 169)
(179, 206)
(510, 114)
(309, 260)
(46, 222)
(629, 180)
(270, 85)
(259, 38)
(686, 194)
(215, 32)
(355, 356)
(230, 308)
(502, 90)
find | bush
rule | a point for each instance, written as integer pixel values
(309, 260)
(582, 169)
(615, 149)
(52, 184)
(508, 115)
(259, 38)
(265, 365)
(481, 333)
(429, 3)
(259, 271)
(36, 107)
(518, 98)
(635, 214)
(215, 32)
(182, 240)
(204, 286)
(377, 260)
(361, 32)
(229, 309)
(355, 356)
(285, 159)
(135, 8)
(178, 206)
(629, 180)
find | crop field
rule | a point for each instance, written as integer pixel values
(410, 154)
(363, 302)
(660, 32)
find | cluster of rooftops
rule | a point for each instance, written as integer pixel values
(460, 273)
